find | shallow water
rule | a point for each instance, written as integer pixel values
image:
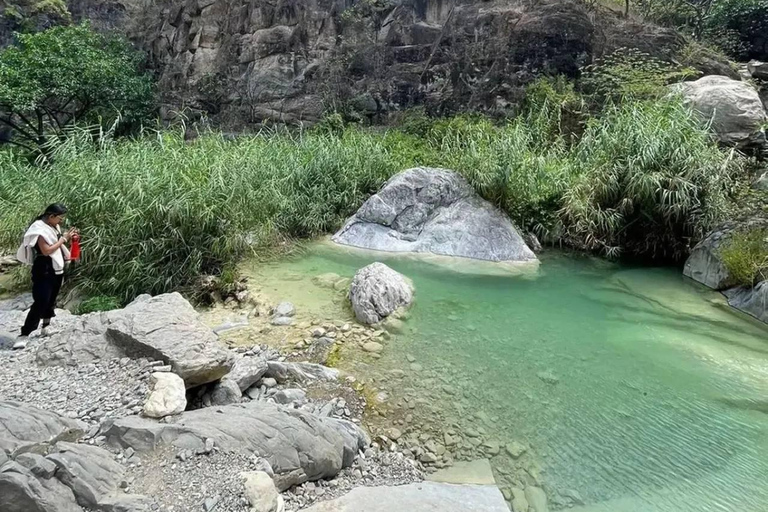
(634, 387)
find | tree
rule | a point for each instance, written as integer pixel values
(63, 75)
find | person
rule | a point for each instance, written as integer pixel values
(44, 247)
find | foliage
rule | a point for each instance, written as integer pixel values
(650, 181)
(745, 255)
(98, 303)
(54, 78)
(629, 74)
(158, 212)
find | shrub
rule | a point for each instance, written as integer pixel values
(650, 180)
(745, 255)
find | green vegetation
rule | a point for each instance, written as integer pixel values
(157, 212)
(745, 255)
(98, 303)
(52, 79)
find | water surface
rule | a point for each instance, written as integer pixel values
(634, 387)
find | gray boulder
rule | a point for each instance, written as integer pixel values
(734, 108)
(22, 491)
(80, 341)
(758, 69)
(299, 446)
(226, 392)
(89, 471)
(300, 372)
(167, 327)
(704, 264)
(377, 291)
(753, 301)
(434, 211)
(24, 428)
(247, 371)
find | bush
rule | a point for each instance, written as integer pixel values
(650, 180)
(745, 255)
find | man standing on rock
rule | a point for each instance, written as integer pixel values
(44, 248)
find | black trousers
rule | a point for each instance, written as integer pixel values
(45, 289)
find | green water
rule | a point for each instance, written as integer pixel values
(632, 386)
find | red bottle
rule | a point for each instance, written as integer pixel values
(74, 251)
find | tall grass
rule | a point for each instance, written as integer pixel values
(157, 212)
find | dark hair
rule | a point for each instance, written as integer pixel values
(52, 210)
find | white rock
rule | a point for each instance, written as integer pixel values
(260, 491)
(168, 396)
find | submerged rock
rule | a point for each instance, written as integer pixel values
(434, 211)
(733, 106)
(377, 291)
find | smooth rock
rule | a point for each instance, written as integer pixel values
(247, 371)
(168, 395)
(435, 211)
(417, 497)
(537, 499)
(299, 446)
(282, 321)
(476, 472)
(515, 449)
(377, 291)
(167, 328)
(373, 346)
(286, 396)
(23, 427)
(733, 106)
(226, 392)
(260, 491)
(752, 301)
(285, 309)
(300, 372)
(22, 491)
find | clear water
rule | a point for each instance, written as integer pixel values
(633, 386)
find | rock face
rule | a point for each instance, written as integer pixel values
(734, 107)
(167, 328)
(22, 491)
(243, 63)
(753, 301)
(298, 445)
(168, 396)
(434, 211)
(377, 291)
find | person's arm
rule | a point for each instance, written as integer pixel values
(47, 249)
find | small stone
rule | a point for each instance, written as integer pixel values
(282, 321)
(410, 358)
(209, 444)
(211, 504)
(548, 377)
(268, 382)
(428, 458)
(394, 434)
(373, 346)
(515, 449)
(285, 309)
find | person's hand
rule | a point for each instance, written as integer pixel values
(69, 234)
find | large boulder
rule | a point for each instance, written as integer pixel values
(758, 69)
(734, 108)
(299, 446)
(24, 427)
(704, 263)
(434, 211)
(753, 301)
(167, 327)
(377, 291)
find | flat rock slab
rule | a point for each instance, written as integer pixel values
(23, 426)
(419, 497)
(299, 446)
(436, 211)
(476, 472)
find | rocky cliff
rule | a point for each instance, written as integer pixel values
(241, 62)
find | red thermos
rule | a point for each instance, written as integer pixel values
(74, 251)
